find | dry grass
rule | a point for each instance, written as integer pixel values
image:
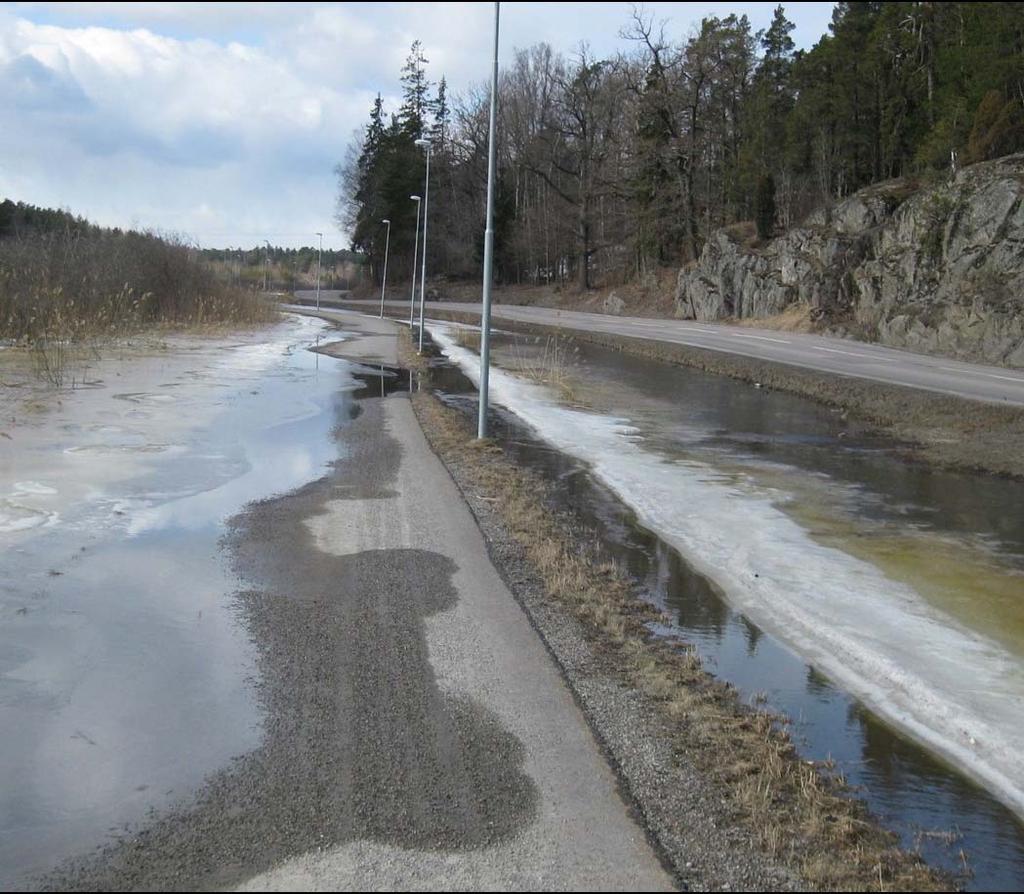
(795, 318)
(743, 233)
(547, 361)
(544, 361)
(799, 812)
(467, 338)
(67, 293)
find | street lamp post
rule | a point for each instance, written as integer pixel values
(485, 311)
(384, 280)
(319, 252)
(266, 265)
(424, 143)
(415, 250)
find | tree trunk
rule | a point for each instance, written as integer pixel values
(583, 264)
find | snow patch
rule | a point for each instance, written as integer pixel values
(948, 686)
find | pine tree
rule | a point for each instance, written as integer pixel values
(415, 92)
(441, 117)
(367, 193)
(764, 207)
(778, 49)
(653, 183)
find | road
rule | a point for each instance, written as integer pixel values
(831, 355)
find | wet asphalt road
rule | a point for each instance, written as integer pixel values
(416, 734)
(991, 384)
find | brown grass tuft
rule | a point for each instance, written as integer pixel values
(547, 362)
(467, 338)
(795, 318)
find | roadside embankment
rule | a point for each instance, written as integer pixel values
(718, 783)
(949, 432)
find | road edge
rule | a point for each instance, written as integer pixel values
(945, 432)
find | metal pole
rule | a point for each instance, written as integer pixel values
(320, 251)
(415, 250)
(384, 281)
(426, 204)
(266, 265)
(485, 315)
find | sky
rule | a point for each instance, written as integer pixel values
(223, 122)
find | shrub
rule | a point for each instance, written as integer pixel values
(65, 279)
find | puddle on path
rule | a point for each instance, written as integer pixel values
(125, 678)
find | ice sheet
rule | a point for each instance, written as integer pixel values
(943, 683)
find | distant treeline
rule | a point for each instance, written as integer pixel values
(609, 168)
(62, 277)
(18, 220)
(286, 269)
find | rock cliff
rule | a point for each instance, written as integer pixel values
(937, 267)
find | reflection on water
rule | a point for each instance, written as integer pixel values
(123, 673)
(932, 807)
(681, 411)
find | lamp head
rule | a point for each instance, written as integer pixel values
(386, 221)
(415, 198)
(423, 143)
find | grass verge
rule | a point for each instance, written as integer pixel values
(800, 814)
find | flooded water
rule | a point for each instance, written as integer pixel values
(900, 557)
(124, 675)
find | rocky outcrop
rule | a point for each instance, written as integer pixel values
(936, 268)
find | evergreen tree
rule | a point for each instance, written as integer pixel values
(441, 116)
(778, 49)
(653, 184)
(367, 193)
(764, 207)
(415, 92)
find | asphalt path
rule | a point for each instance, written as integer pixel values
(484, 772)
(417, 734)
(990, 384)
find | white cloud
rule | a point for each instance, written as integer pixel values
(225, 120)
